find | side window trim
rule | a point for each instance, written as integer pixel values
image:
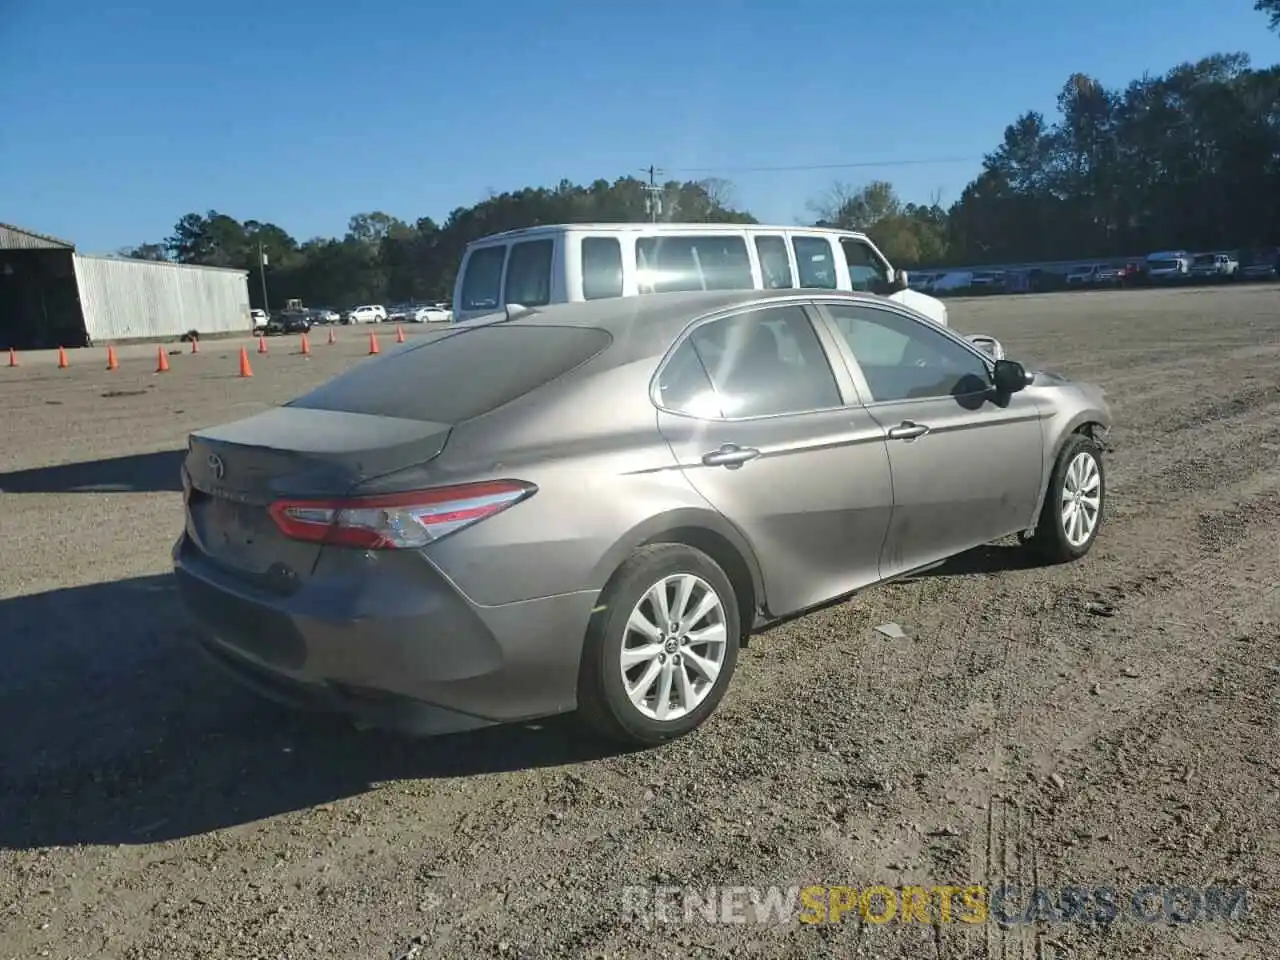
(851, 390)
(855, 369)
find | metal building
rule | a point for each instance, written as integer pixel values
(51, 296)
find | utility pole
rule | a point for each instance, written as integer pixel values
(653, 193)
(262, 268)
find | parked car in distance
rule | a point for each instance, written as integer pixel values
(400, 313)
(433, 313)
(602, 519)
(260, 321)
(1214, 266)
(374, 313)
(323, 315)
(292, 321)
(1262, 264)
(1168, 266)
(987, 281)
(1082, 275)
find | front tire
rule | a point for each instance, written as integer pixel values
(644, 681)
(1074, 504)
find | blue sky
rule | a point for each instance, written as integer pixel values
(116, 119)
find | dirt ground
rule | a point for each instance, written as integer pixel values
(1111, 723)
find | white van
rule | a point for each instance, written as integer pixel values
(564, 263)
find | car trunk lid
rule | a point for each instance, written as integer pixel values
(234, 472)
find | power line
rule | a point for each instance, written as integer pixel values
(798, 168)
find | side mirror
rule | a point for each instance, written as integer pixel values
(988, 345)
(898, 282)
(1009, 376)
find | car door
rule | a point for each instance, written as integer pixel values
(770, 433)
(967, 465)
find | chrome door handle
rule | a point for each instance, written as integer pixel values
(907, 430)
(730, 455)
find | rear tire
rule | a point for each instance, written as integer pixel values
(645, 682)
(1075, 503)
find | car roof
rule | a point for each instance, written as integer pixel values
(656, 229)
(648, 324)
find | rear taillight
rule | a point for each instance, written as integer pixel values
(397, 521)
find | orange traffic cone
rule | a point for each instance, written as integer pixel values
(262, 344)
(306, 345)
(245, 369)
(62, 359)
(162, 361)
(13, 357)
(112, 362)
(373, 343)
(399, 334)
(332, 337)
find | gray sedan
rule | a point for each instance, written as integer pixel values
(591, 506)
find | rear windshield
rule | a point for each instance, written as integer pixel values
(460, 375)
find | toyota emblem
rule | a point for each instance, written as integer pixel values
(216, 466)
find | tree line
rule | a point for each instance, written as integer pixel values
(1188, 159)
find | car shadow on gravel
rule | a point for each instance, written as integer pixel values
(141, 473)
(992, 558)
(116, 731)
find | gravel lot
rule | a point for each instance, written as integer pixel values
(1108, 723)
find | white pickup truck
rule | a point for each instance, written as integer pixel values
(1214, 266)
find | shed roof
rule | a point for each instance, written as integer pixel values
(19, 238)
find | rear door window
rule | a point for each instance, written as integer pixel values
(482, 282)
(815, 262)
(684, 386)
(672, 263)
(529, 273)
(460, 375)
(764, 363)
(601, 268)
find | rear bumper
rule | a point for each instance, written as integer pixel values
(408, 653)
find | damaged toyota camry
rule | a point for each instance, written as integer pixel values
(591, 506)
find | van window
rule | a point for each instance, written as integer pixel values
(815, 262)
(775, 265)
(529, 273)
(601, 268)
(668, 264)
(866, 270)
(482, 282)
